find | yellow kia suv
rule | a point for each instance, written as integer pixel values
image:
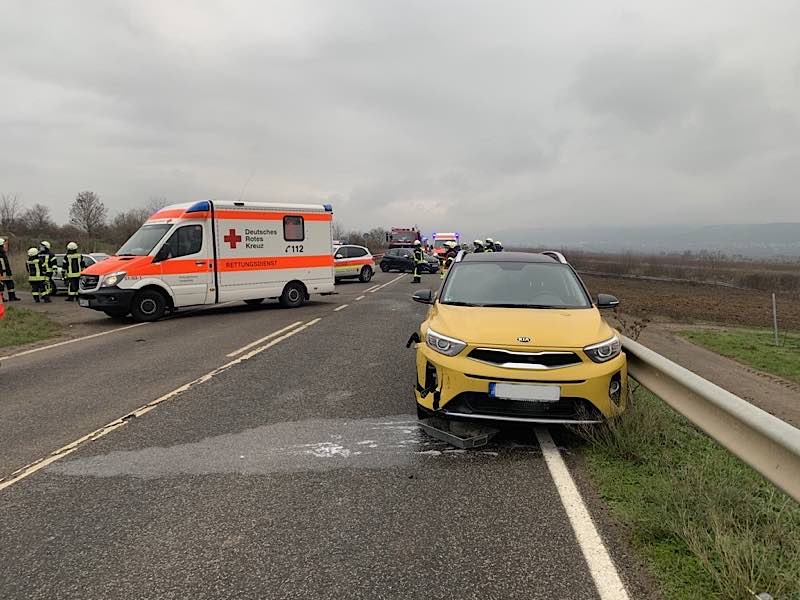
(515, 336)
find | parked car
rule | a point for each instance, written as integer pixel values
(517, 337)
(58, 278)
(402, 259)
(351, 262)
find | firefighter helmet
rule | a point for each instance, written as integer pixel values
(46, 244)
(72, 246)
(32, 252)
(2, 241)
(417, 243)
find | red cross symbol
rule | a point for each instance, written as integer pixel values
(232, 239)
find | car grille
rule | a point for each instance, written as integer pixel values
(566, 408)
(89, 282)
(525, 360)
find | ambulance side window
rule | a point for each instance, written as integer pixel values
(294, 229)
(185, 240)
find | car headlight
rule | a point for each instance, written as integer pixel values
(113, 279)
(443, 344)
(604, 351)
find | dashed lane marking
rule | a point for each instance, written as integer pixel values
(604, 573)
(263, 339)
(342, 307)
(72, 341)
(37, 465)
(372, 288)
(380, 287)
(360, 298)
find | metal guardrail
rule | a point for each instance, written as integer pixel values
(769, 445)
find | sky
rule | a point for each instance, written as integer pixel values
(474, 116)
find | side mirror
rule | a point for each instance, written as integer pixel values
(338, 256)
(423, 297)
(605, 301)
(162, 254)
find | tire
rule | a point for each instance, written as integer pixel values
(384, 267)
(254, 301)
(293, 296)
(148, 305)
(365, 275)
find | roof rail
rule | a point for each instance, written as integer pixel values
(557, 256)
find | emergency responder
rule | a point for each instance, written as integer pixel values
(489, 245)
(74, 263)
(449, 257)
(498, 246)
(477, 246)
(37, 275)
(419, 260)
(6, 276)
(48, 266)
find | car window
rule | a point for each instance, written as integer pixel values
(185, 241)
(344, 252)
(294, 229)
(406, 253)
(526, 285)
(89, 260)
(357, 252)
(391, 252)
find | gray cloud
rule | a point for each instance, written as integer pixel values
(456, 115)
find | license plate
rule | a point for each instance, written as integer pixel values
(83, 302)
(525, 391)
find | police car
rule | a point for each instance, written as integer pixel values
(353, 262)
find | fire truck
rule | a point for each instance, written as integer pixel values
(400, 237)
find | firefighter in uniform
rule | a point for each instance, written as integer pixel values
(37, 276)
(49, 267)
(498, 246)
(449, 257)
(489, 245)
(419, 260)
(6, 276)
(74, 263)
(478, 246)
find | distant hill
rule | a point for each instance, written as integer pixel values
(761, 240)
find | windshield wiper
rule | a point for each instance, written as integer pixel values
(457, 303)
(522, 306)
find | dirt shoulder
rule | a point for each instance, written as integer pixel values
(777, 396)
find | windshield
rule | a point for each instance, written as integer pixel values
(407, 236)
(440, 243)
(514, 285)
(143, 241)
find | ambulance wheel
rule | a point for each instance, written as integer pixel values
(148, 305)
(254, 301)
(366, 275)
(294, 294)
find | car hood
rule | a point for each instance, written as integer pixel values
(546, 328)
(129, 264)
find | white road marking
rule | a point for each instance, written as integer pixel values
(35, 466)
(263, 339)
(372, 288)
(72, 341)
(604, 573)
(380, 287)
(360, 298)
(342, 307)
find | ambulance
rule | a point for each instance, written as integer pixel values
(209, 252)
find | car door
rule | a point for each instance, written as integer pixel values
(406, 259)
(185, 266)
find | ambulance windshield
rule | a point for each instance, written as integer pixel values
(143, 241)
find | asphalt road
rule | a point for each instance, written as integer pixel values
(296, 473)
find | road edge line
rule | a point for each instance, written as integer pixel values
(40, 464)
(601, 566)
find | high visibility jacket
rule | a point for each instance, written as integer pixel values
(73, 265)
(448, 259)
(419, 256)
(477, 249)
(48, 261)
(5, 265)
(35, 269)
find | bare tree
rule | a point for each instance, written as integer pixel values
(37, 219)
(124, 224)
(155, 204)
(10, 210)
(338, 231)
(88, 213)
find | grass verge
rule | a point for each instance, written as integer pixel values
(707, 524)
(754, 348)
(22, 326)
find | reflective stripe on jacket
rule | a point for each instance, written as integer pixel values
(35, 271)
(73, 265)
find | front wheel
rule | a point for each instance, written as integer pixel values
(293, 296)
(365, 275)
(148, 305)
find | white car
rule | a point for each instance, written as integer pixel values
(351, 262)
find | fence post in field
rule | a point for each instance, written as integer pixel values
(775, 318)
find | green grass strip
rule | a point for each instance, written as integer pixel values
(707, 525)
(23, 326)
(754, 348)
